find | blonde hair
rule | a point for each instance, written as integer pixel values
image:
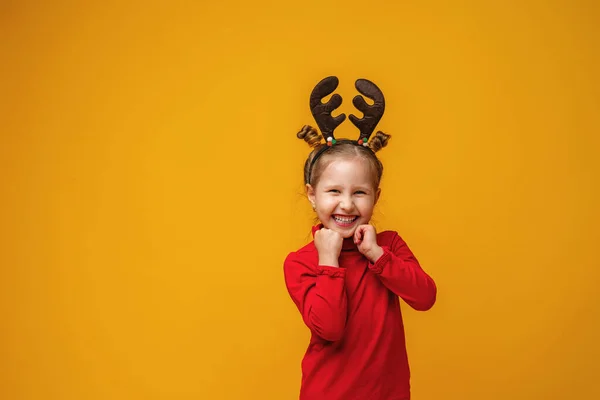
(342, 148)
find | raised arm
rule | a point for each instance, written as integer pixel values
(318, 292)
(401, 273)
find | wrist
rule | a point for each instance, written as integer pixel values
(375, 254)
(329, 260)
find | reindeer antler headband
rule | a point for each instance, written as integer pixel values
(327, 124)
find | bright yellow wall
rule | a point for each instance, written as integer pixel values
(151, 187)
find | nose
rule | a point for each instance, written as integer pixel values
(346, 204)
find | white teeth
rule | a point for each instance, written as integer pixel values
(344, 219)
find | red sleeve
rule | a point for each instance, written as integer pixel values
(401, 273)
(318, 292)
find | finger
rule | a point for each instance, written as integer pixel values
(359, 234)
(373, 231)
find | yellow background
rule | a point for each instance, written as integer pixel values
(151, 186)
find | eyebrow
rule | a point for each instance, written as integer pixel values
(363, 188)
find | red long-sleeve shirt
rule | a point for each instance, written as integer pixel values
(357, 348)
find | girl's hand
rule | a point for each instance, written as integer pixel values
(365, 238)
(329, 245)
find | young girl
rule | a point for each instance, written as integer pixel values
(347, 282)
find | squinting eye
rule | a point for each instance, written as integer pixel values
(334, 191)
(360, 192)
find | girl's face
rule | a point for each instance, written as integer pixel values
(345, 195)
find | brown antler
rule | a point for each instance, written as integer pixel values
(371, 114)
(322, 111)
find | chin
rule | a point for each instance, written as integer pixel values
(344, 231)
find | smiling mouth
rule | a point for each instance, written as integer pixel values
(344, 220)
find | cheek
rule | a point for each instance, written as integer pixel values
(366, 206)
(326, 203)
